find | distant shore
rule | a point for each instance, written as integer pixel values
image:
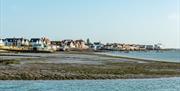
(81, 65)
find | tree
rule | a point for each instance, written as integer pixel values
(88, 41)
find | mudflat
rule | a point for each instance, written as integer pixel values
(81, 65)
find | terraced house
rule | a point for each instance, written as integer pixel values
(2, 43)
(16, 42)
(80, 44)
(42, 44)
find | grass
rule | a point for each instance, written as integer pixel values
(124, 69)
(44, 71)
(13, 61)
(7, 62)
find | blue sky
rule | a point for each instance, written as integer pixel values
(124, 21)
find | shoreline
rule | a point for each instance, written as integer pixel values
(125, 57)
(81, 66)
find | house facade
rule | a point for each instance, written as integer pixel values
(149, 47)
(37, 43)
(97, 46)
(2, 43)
(157, 46)
(80, 44)
(68, 43)
(16, 42)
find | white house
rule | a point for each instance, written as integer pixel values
(149, 47)
(42, 44)
(37, 43)
(66, 44)
(157, 46)
(34, 41)
(22, 42)
(2, 42)
(80, 44)
(16, 42)
(97, 45)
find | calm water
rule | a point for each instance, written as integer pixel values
(160, 84)
(172, 56)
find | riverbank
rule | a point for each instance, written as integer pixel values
(81, 65)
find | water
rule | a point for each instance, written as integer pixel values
(159, 84)
(170, 56)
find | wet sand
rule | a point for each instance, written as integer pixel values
(80, 65)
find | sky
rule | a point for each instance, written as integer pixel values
(122, 21)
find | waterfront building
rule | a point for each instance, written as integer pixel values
(98, 46)
(80, 44)
(142, 47)
(109, 46)
(56, 45)
(42, 44)
(149, 47)
(2, 42)
(71, 44)
(37, 43)
(34, 41)
(46, 41)
(157, 46)
(66, 44)
(16, 42)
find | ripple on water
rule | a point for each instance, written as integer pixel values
(160, 84)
